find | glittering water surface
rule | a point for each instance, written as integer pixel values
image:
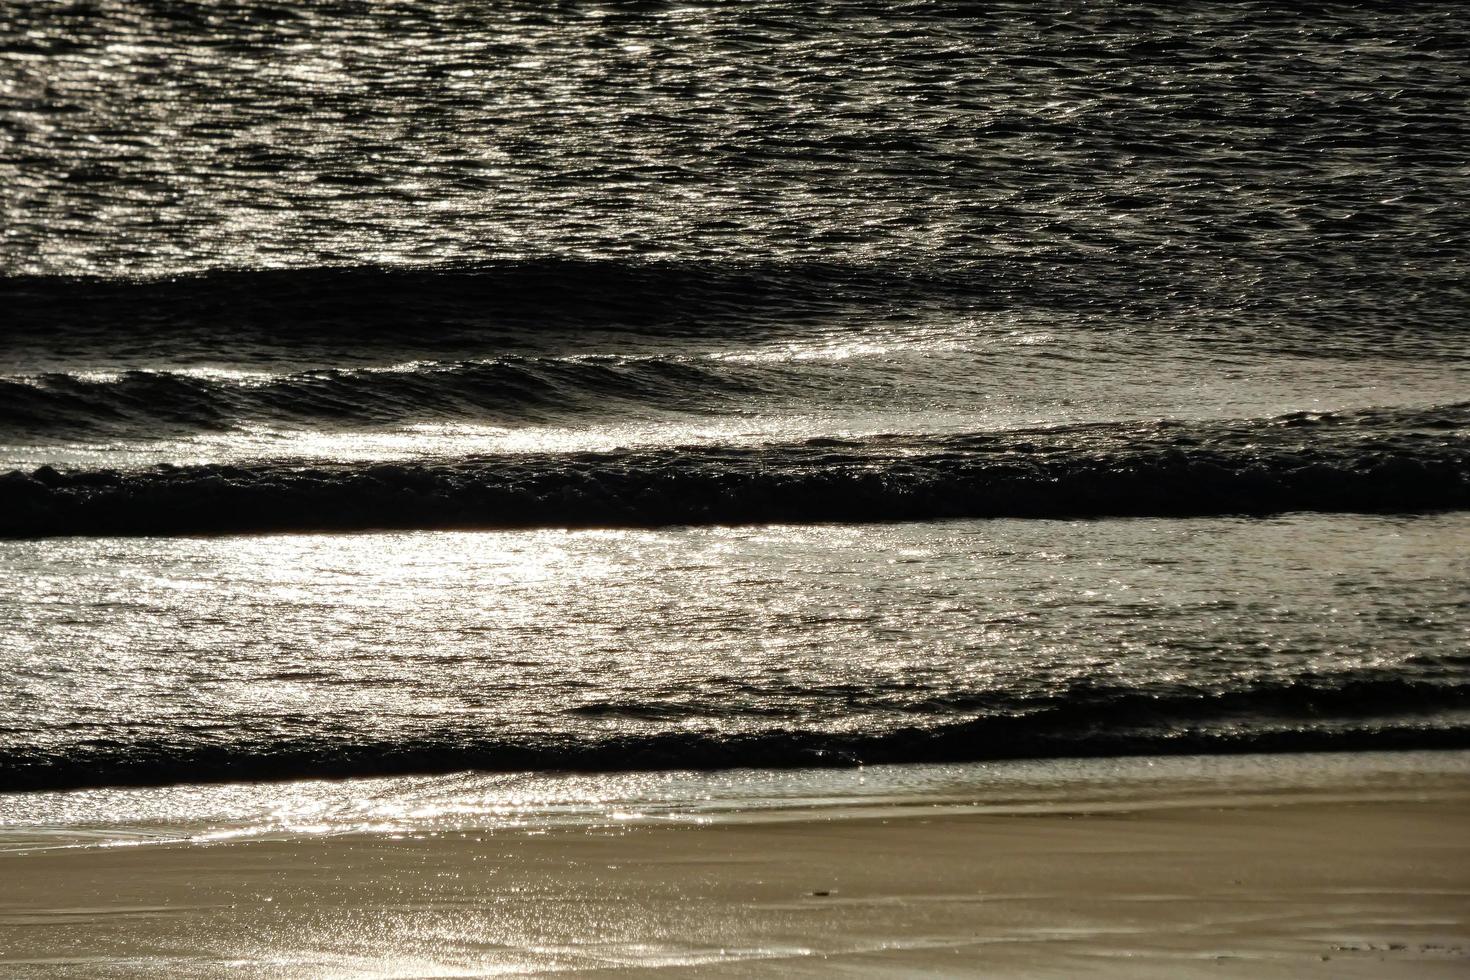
(160, 136)
(294, 655)
(622, 336)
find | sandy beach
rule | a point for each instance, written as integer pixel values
(1349, 881)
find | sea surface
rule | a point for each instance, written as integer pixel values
(417, 388)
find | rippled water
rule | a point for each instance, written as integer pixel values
(1082, 142)
(709, 385)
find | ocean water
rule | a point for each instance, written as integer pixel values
(408, 388)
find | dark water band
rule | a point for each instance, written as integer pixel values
(1382, 460)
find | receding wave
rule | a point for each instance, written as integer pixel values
(1355, 713)
(1379, 460)
(513, 389)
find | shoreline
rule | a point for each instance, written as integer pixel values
(492, 800)
(611, 761)
(1137, 876)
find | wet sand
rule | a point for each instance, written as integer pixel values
(1272, 887)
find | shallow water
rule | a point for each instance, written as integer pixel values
(277, 656)
(529, 802)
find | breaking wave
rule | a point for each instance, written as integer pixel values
(519, 389)
(1372, 460)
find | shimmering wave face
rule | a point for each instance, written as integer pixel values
(157, 137)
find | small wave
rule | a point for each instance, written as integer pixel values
(524, 389)
(1372, 461)
(1351, 714)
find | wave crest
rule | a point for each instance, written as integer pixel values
(1370, 461)
(514, 389)
(1367, 712)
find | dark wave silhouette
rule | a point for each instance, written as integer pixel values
(1371, 461)
(363, 301)
(731, 297)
